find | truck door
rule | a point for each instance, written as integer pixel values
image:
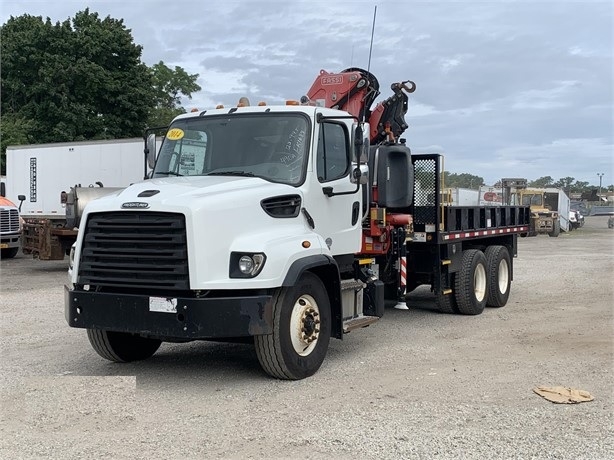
(337, 218)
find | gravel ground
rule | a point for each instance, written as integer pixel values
(417, 384)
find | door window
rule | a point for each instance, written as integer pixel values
(333, 157)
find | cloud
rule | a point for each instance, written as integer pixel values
(516, 86)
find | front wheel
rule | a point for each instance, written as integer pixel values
(556, 229)
(121, 347)
(301, 330)
(8, 253)
(470, 284)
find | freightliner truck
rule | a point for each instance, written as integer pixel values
(285, 226)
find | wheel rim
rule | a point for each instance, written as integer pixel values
(479, 282)
(305, 325)
(503, 276)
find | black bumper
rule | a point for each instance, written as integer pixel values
(205, 318)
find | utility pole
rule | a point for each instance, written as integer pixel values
(600, 175)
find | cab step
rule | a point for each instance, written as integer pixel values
(356, 323)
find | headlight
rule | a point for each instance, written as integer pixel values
(71, 263)
(71, 257)
(246, 265)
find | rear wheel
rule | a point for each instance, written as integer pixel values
(121, 347)
(499, 273)
(446, 303)
(301, 331)
(471, 283)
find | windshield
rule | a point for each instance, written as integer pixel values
(270, 146)
(532, 200)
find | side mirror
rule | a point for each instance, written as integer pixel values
(361, 142)
(357, 141)
(21, 199)
(151, 151)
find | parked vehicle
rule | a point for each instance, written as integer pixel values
(10, 227)
(576, 220)
(549, 207)
(285, 225)
(57, 180)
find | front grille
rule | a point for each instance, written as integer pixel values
(9, 220)
(135, 250)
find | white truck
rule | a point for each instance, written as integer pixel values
(54, 182)
(10, 225)
(286, 226)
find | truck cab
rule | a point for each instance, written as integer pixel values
(248, 227)
(10, 227)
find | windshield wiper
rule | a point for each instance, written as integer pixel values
(169, 173)
(232, 173)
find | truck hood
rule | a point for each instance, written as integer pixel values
(223, 215)
(177, 192)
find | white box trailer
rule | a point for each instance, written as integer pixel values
(490, 196)
(42, 172)
(58, 180)
(463, 196)
(484, 196)
(558, 201)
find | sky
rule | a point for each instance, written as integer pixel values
(504, 88)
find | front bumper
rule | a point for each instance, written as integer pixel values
(9, 240)
(203, 318)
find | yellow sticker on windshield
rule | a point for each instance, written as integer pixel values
(175, 134)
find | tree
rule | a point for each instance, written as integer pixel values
(14, 132)
(78, 79)
(542, 182)
(564, 183)
(462, 180)
(168, 86)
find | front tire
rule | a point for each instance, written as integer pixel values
(556, 229)
(499, 273)
(8, 253)
(301, 330)
(471, 283)
(121, 347)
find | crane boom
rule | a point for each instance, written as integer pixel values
(354, 90)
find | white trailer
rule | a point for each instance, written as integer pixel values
(463, 196)
(54, 182)
(490, 196)
(42, 172)
(558, 201)
(484, 196)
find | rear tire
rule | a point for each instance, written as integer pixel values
(301, 330)
(499, 273)
(446, 303)
(121, 347)
(471, 285)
